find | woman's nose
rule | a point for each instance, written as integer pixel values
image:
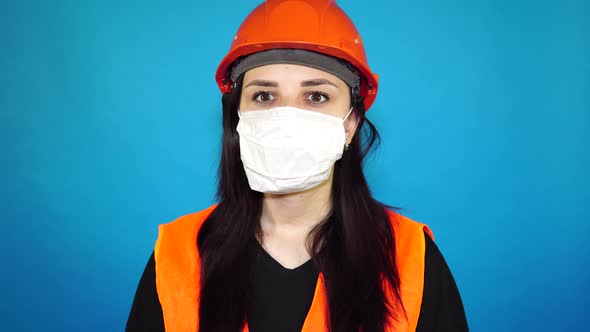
(290, 99)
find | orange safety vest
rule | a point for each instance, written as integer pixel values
(178, 274)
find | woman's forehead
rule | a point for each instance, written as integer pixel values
(286, 74)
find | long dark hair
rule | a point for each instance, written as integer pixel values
(353, 247)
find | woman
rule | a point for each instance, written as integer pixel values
(296, 242)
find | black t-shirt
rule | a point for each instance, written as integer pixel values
(292, 291)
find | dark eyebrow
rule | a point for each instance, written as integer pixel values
(264, 83)
(316, 82)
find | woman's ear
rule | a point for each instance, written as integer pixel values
(350, 125)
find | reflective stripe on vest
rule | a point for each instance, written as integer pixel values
(178, 274)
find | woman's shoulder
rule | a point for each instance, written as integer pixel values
(404, 226)
(183, 229)
(190, 219)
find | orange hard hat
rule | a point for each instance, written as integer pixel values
(313, 25)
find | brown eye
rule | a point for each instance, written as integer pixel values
(317, 97)
(263, 97)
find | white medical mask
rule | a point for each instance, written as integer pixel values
(288, 149)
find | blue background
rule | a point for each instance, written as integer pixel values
(110, 125)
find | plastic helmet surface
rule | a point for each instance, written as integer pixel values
(314, 25)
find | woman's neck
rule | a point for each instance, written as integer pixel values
(290, 217)
(287, 220)
(301, 210)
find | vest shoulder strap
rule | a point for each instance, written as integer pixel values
(178, 270)
(410, 251)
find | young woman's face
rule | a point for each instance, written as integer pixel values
(297, 86)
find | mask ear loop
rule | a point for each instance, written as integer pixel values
(347, 145)
(347, 114)
(355, 99)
